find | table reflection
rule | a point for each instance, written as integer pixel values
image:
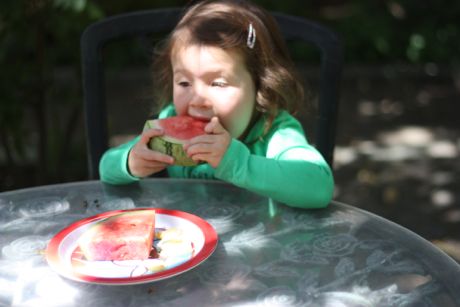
(268, 254)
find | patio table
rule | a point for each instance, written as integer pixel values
(267, 253)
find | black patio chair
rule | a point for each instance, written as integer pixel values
(144, 23)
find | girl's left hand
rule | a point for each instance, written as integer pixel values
(209, 147)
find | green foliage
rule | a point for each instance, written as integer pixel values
(386, 31)
(398, 31)
(36, 38)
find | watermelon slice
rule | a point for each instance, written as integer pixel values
(125, 236)
(178, 129)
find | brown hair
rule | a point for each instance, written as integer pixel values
(224, 24)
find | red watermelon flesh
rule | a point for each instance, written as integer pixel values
(181, 127)
(125, 236)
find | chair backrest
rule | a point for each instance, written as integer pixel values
(142, 23)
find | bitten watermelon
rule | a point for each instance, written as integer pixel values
(177, 130)
(125, 236)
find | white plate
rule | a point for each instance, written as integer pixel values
(63, 253)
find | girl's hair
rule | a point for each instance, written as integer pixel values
(225, 24)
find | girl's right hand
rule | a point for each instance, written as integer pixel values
(142, 161)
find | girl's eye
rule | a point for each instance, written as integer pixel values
(219, 83)
(183, 83)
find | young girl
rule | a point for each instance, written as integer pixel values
(226, 62)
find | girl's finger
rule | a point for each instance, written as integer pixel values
(150, 133)
(199, 148)
(150, 155)
(200, 157)
(156, 167)
(205, 138)
(214, 126)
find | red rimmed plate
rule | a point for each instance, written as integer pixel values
(63, 256)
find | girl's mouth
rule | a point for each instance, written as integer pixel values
(198, 116)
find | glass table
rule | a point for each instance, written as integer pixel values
(267, 254)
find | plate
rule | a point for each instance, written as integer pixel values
(64, 257)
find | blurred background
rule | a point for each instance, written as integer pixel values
(398, 137)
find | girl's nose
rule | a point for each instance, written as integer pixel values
(199, 98)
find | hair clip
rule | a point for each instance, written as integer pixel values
(251, 36)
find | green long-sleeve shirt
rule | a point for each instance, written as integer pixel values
(280, 164)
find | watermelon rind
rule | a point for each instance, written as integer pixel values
(169, 146)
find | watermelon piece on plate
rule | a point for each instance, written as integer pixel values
(177, 130)
(125, 236)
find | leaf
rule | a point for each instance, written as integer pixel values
(74, 5)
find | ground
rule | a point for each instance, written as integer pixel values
(397, 149)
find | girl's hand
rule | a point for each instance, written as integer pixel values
(209, 147)
(142, 161)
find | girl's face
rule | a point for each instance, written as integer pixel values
(209, 81)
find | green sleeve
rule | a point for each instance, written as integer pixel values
(292, 172)
(113, 167)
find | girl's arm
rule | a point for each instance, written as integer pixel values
(293, 171)
(113, 167)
